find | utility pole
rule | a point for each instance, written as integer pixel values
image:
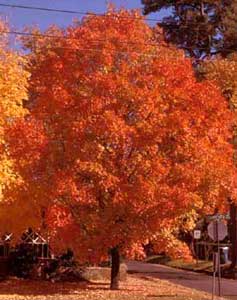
(233, 208)
(233, 235)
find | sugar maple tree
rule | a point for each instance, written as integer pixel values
(130, 140)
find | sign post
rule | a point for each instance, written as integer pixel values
(196, 236)
(217, 231)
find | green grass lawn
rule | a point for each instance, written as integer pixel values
(198, 266)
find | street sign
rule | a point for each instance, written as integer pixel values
(217, 231)
(197, 234)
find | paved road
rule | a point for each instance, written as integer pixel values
(197, 281)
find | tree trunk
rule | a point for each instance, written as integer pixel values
(233, 235)
(114, 284)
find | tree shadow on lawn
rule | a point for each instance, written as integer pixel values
(37, 287)
(162, 296)
(17, 286)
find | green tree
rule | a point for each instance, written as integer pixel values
(229, 27)
(201, 28)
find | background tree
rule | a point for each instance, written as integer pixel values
(229, 28)
(13, 91)
(127, 139)
(26, 144)
(201, 28)
(223, 73)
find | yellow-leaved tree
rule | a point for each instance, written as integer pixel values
(13, 92)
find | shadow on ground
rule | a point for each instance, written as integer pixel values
(36, 288)
(23, 287)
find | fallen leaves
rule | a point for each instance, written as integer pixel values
(143, 288)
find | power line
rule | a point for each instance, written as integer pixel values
(101, 40)
(80, 48)
(70, 11)
(69, 38)
(158, 21)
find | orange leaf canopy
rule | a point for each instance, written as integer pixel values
(133, 140)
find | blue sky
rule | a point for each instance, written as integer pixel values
(19, 18)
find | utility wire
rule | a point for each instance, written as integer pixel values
(69, 38)
(158, 21)
(81, 48)
(70, 11)
(101, 40)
